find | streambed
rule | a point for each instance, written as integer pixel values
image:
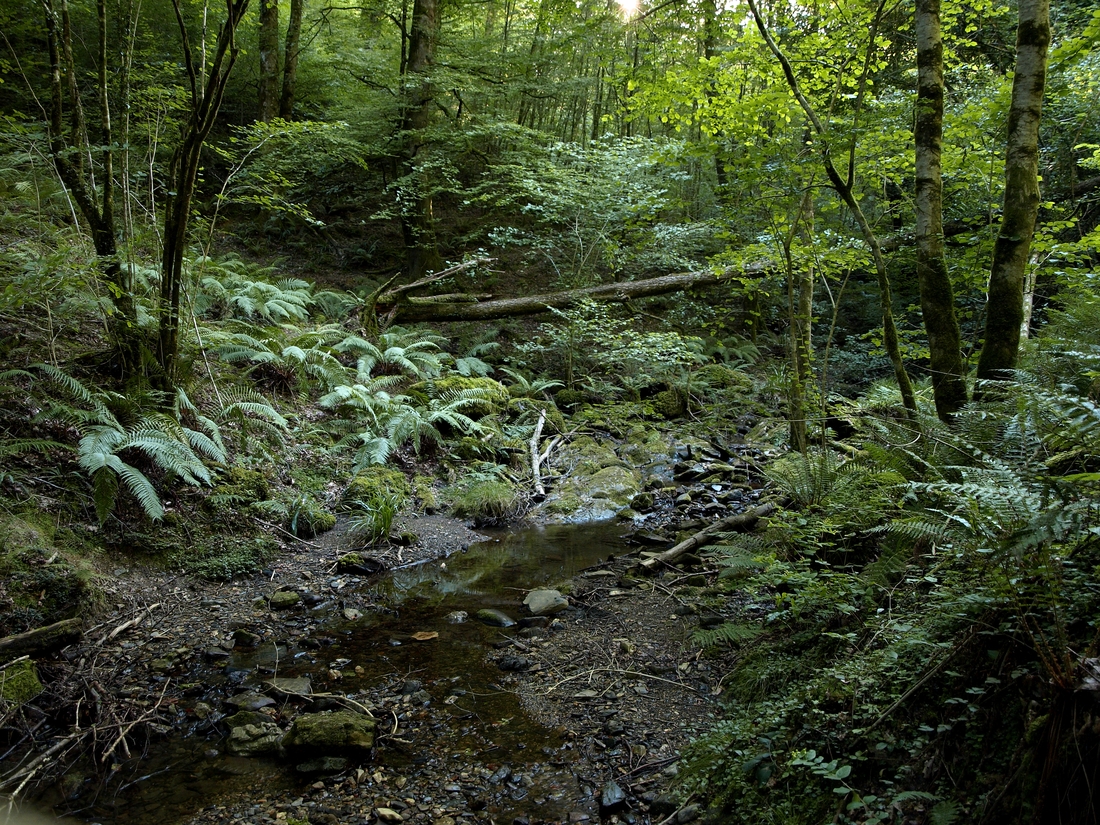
(456, 742)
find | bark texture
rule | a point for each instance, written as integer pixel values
(290, 59)
(937, 296)
(405, 310)
(417, 219)
(1005, 303)
(269, 60)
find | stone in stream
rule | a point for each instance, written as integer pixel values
(612, 799)
(252, 734)
(494, 618)
(289, 687)
(456, 617)
(341, 731)
(323, 765)
(545, 602)
(358, 564)
(249, 700)
(284, 599)
(246, 638)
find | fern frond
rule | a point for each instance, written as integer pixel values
(727, 633)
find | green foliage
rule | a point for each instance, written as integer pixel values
(284, 359)
(373, 517)
(486, 495)
(219, 559)
(233, 288)
(307, 518)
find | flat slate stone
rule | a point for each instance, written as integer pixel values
(289, 686)
(250, 700)
(545, 602)
(495, 618)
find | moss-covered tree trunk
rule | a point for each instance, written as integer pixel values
(1005, 302)
(936, 294)
(269, 60)
(290, 59)
(417, 220)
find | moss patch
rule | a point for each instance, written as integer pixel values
(19, 683)
(374, 482)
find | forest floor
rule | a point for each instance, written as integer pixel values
(610, 690)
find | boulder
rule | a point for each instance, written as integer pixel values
(252, 734)
(545, 602)
(327, 733)
(284, 599)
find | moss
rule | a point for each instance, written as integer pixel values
(222, 558)
(309, 519)
(238, 488)
(573, 399)
(19, 683)
(724, 377)
(670, 404)
(21, 537)
(375, 482)
(423, 489)
(486, 501)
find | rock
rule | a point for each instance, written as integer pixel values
(351, 614)
(650, 538)
(359, 564)
(642, 502)
(284, 599)
(514, 664)
(161, 665)
(246, 638)
(545, 602)
(534, 621)
(612, 799)
(250, 700)
(284, 686)
(683, 499)
(456, 617)
(687, 813)
(202, 710)
(215, 653)
(323, 766)
(252, 734)
(494, 618)
(339, 731)
(388, 815)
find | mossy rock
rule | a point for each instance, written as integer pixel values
(375, 482)
(19, 683)
(310, 519)
(670, 404)
(724, 377)
(20, 537)
(337, 732)
(423, 489)
(486, 501)
(573, 399)
(238, 488)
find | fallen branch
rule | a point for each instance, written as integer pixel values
(741, 522)
(41, 640)
(536, 459)
(620, 672)
(133, 622)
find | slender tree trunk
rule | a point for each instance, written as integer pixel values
(72, 157)
(844, 189)
(936, 294)
(206, 89)
(290, 59)
(417, 220)
(800, 296)
(269, 60)
(1005, 303)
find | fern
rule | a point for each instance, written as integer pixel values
(727, 633)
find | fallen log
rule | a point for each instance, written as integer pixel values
(406, 312)
(42, 640)
(742, 522)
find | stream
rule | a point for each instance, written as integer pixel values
(473, 734)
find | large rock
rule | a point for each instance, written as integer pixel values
(284, 599)
(545, 602)
(252, 734)
(327, 733)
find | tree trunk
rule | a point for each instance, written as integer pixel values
(290, 58)
(417, 220)
(72, 159)
(42, 640)
(183, 171)
(404, 311)
(743, 522)
(800, 296)
(269, 60)
(937, 297)
(1004, 313)
(844, 189)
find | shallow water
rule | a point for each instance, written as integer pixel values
(177, 776)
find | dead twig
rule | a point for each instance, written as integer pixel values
(620, 672)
